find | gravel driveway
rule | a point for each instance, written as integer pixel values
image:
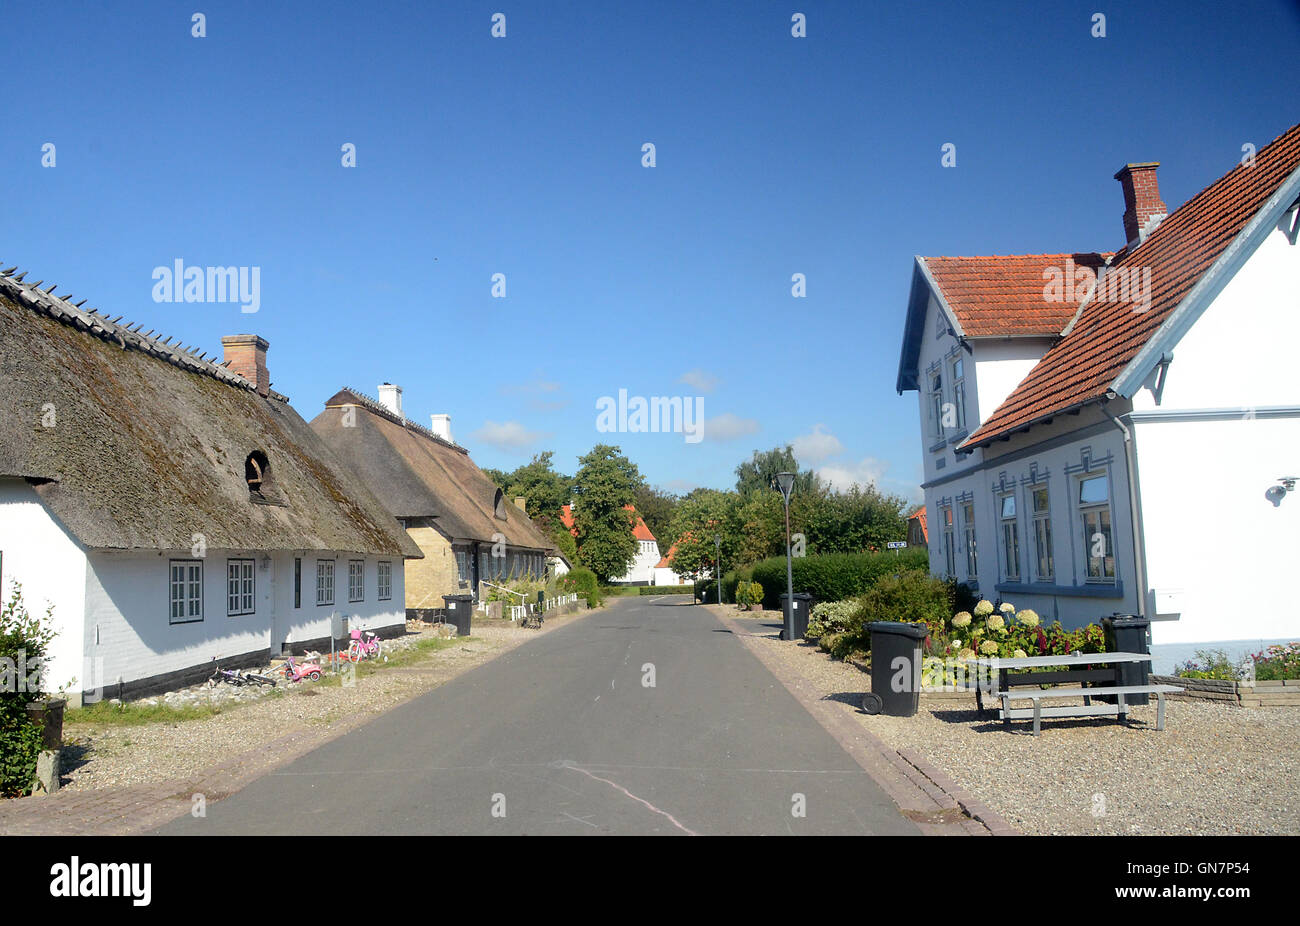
(1214, 770)
(100, 756)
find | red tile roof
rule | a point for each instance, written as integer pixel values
(1002, 296)
(1085, 365)
(919, 516)
(639, 530)
(667, 561)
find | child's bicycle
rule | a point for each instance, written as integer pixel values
(362, 648)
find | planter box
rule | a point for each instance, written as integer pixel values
(1284, 693)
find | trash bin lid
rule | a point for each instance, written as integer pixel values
(915, 631)
(1127, 621)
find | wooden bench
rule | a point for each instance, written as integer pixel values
(1119, 708)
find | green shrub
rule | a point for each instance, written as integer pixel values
(24, 643)
(582, 581)
(667, 590)
(833, 576)
(830, 617)
(731, 579)
(749, 594)
(911, 596)
(1210, 664)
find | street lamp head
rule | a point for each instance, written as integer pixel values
(717, 540)
(785, 482)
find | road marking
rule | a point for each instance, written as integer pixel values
(581, 820)
(619, 787)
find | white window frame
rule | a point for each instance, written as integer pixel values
(958, 389)
(384, 580)
(185, 590)
(1096, 508)
(324, 582)
(1042, 523)
(949, 539)
(356, 580)
(968, 526)
(934, 389)
(241, 587)
(1009, 529)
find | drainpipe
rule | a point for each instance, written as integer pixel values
(1139, 546)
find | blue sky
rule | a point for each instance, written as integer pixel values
(522, 156)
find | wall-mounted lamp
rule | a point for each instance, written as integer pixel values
(1276, 493)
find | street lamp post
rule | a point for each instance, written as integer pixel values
(785, 482)
(717, 564)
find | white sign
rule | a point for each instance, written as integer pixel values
(896, 544)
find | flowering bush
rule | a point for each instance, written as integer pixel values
(830, 617)
(984, 608)
(961, 619)
(1277, 662)
(1027, 618)
(996, 624)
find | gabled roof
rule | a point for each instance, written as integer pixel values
(667, 561)
(639, 529)
(147, 443)
(1111, 348)
(417, 474)
(919, 516)
(996, 296)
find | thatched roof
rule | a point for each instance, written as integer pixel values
(148, 442)
(417, 474)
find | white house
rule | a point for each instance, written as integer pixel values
(642, 570)
(663, 571)
(1100, 430)
(172, 509)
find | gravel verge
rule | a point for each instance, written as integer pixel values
(1214, 770)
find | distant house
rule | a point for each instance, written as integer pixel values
(917, 535)
(468, 532)
(172, 509)
(663, 572)
(1100, 430)
(642, 570)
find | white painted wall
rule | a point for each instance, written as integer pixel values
(1001, 366)
(663, 575)
(643, 567)
(51, 567)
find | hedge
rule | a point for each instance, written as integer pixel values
(828, 577)
(667, 589)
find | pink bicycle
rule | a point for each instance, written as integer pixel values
(363, 647)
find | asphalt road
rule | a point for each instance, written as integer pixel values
(565, 736)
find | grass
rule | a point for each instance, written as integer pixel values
(134, 714)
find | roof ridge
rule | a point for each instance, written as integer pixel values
(1015, 256)
(127, 336)
(379, 408)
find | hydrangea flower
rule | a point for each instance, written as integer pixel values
(966, 654)
(961, 619)
(997, 623)
(984, 608)
(1020, 654)
(988, 648)
(1028, 618)
(1007, 608)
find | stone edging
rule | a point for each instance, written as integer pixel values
(1260, 694)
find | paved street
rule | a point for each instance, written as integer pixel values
(561, 736)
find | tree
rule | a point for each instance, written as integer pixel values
(602, 488)
(758, 474)
(700, 516)
(544, 489)
(656, 507)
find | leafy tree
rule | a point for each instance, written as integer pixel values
(603, 486)
(656, 507)
(544, 489)
(700, 516)
(758, 474)
(499, 477)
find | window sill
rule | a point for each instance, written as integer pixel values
(1062, 591)
(939, 446)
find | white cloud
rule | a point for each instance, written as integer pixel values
(729, 427)
(817, 446)
(867, 471)
(510, 436)
(680, 486)
(698, 379)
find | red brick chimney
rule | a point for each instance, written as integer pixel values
(1143, 208)
(245, 354)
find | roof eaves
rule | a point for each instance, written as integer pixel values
(1211, 283)
(914, 327)
(969, 445)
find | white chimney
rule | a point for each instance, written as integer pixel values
(390, 397)
(442, 427)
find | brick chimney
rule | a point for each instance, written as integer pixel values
(245, 354)
(1143, 208)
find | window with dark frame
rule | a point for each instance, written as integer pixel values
(356, 580)
(385, 580)
(968, 525)
(1010, 538)
(297, 582)
(1098, 542)
(949, 552)
(1044, 564)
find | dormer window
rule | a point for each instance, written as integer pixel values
(499, 505)
(257, 472)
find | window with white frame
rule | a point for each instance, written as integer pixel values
(936, 405)
(324, 581)
(462, 565)
(1094, 512)
(949, 552)
(239, 587)
(385, 580)
(1010, 537)
(1044, 566)
(958, 368)
(968, 525)
(356, 579)
(186, 590)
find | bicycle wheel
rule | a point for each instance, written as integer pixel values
(376, 651)
(354, 651)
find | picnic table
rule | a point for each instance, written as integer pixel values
(1078, 675)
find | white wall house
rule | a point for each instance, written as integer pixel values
(647, 557)
(1111, 453)
(171, 510)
